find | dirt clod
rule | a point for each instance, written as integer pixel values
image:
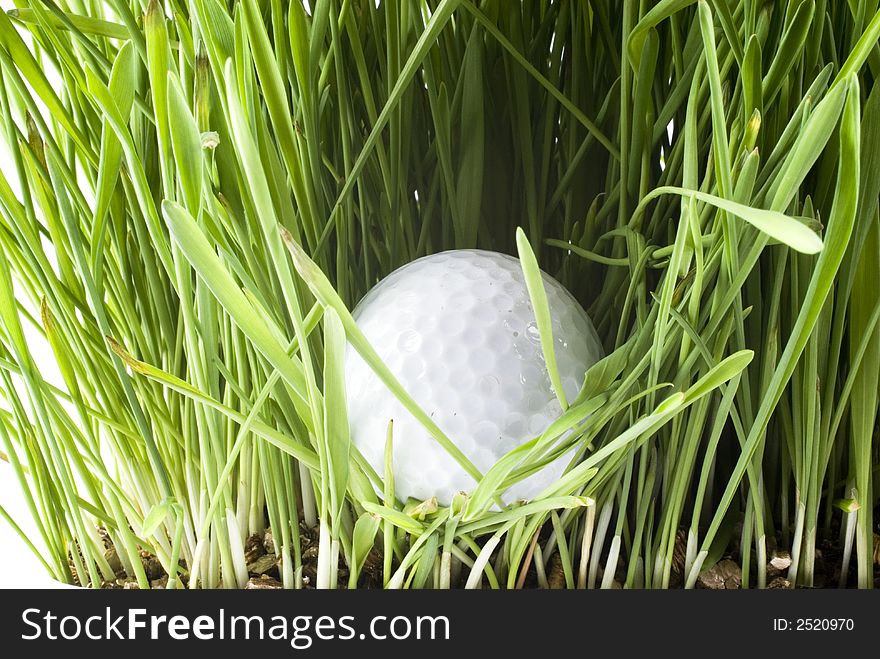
(152, 566)
(263, 564)
(268, 542)
(556, 575)
(372, 571)
(778, 583)
(780, 560)
(263, 582)
(679, 553)
(724, 575)
(254, 548)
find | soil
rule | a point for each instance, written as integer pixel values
(264, 574)
(262, 564)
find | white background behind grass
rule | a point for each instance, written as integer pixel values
(22, 567)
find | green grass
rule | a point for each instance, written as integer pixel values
(200, 191)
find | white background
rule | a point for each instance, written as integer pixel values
(19, 568)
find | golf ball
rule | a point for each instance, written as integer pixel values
(458, 331)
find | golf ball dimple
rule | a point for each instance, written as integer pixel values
(458, 331)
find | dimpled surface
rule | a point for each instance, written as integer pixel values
(458, 331)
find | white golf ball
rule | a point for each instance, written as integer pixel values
(458, 331)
